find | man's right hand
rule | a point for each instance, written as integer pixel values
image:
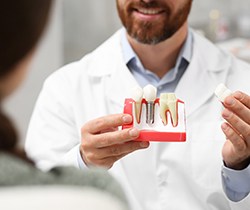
(103, 144)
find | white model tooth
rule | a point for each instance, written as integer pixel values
(168, 102)
(172, 105)
(164, 107)
(150, 95)
(136, 95)
(222, 92)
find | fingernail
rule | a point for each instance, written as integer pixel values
(127, 119)
(230, 101)
(134, 132)
(226, 113)
(224, 126)
(144, 144)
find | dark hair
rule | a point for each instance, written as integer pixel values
(21, 25)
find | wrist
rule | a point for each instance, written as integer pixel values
(239, 165)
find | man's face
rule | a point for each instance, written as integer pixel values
(153, 21)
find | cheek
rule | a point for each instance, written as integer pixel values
(120, 4)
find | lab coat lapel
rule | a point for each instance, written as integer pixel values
(117, 80)
(206, 70)
(119, 86)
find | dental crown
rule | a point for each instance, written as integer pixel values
(222, 92)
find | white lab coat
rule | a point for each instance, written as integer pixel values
(166, 176)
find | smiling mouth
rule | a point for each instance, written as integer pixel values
(149, 11)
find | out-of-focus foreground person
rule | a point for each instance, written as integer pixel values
(21, 26)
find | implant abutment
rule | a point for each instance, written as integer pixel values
(150, 112)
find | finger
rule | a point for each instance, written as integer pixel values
(109, 130)
(235, 138)
(243, 98)
(238, 124)
(108, 162)
(117, 137)
(121, 149)
(107, 122)
(238, 108)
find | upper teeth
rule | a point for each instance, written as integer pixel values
(168, 102)
(149, 11)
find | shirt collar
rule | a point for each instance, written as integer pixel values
(129, 54)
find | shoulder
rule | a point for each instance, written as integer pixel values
(215, 56)
(97, 178)
(209, 53)
(15, 171)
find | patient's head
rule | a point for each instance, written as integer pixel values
(21, 25)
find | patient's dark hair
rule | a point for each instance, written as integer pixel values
(21, 25)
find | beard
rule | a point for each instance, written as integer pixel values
(156, 31)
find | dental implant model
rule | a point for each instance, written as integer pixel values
(150, 96)
(158, 119)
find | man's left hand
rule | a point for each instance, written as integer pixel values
(236, 150)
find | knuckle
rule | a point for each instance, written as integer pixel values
(248, 134)
(124, 134)
(238, 108)
(115, 150)
(134, 146)
(240, 146)
(230, 132)
(107, 163)
(90, 156)
(83, 130)
(104, 141)
(99, 123)
(84, 144)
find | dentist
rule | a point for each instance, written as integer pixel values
(78, 112)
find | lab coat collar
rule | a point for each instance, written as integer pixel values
(108, 54)
(111, 68)
(112, 49)
(213, 58)
(208, 68)
(120, 85)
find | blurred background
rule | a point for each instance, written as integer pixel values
(79, 26)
